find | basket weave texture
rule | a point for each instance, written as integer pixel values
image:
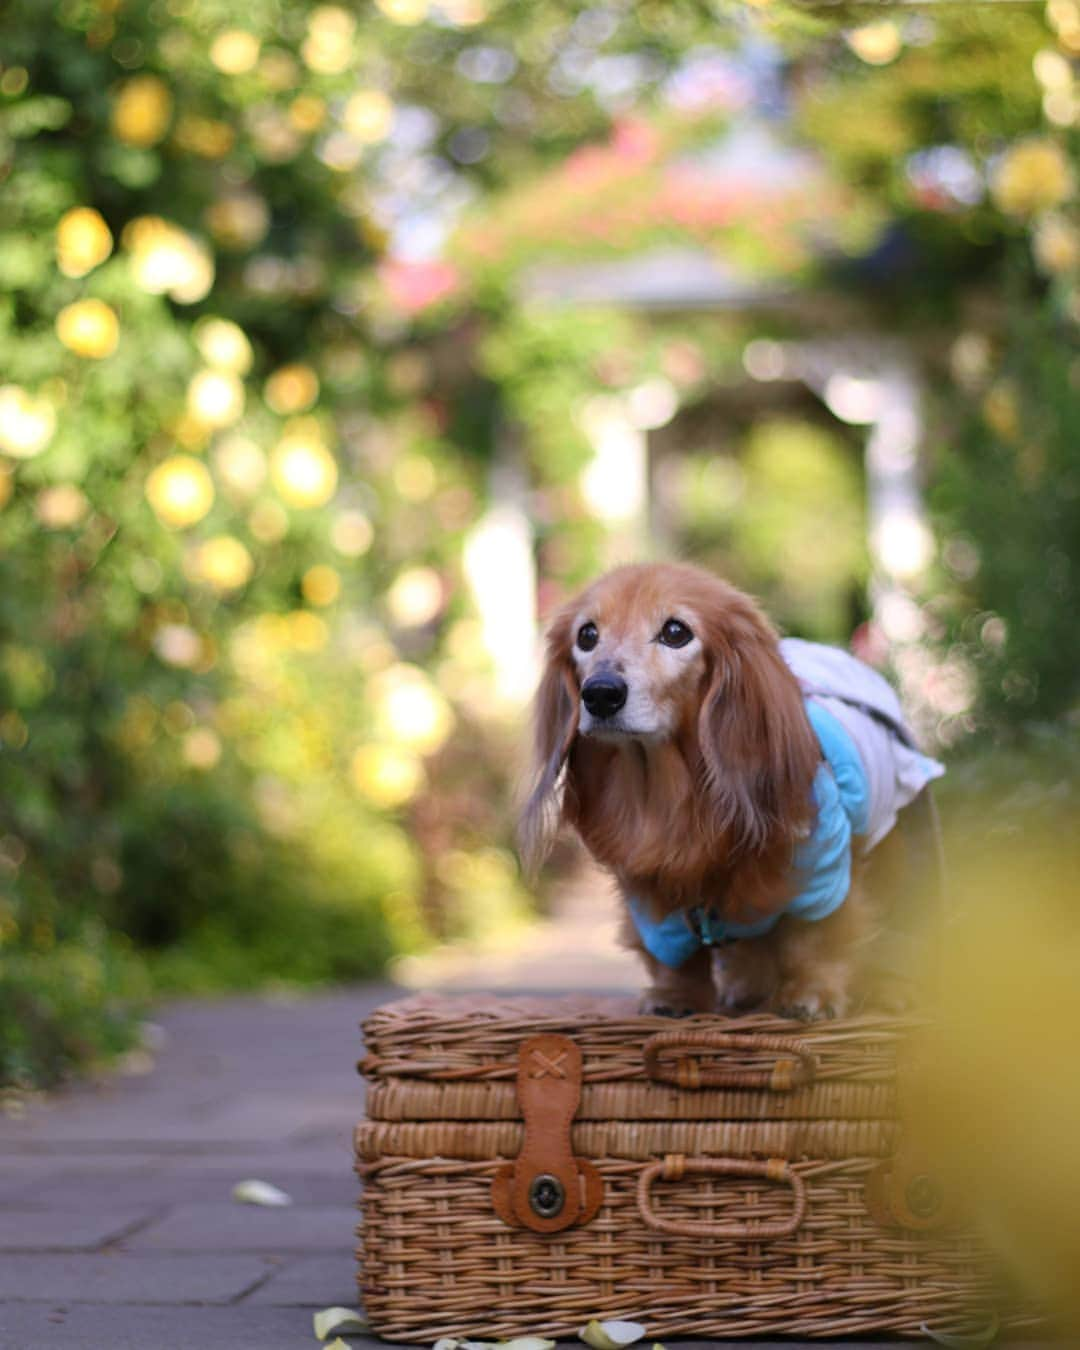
(726, 1210)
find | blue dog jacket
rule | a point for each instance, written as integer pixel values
(869, 771)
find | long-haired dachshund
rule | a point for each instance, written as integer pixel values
(726, 779)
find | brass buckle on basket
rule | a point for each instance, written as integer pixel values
(546, 1188)
(675, 1166)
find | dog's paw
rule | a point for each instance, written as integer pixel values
(809, 1005)
(653, 1006)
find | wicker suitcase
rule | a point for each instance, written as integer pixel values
(530, 1164)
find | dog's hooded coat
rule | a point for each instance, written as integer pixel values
(870, 770)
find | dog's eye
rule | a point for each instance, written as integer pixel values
(675, 633)
(588, 636)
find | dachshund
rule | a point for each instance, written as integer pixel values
(732, 784)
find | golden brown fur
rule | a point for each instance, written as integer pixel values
(698, 790)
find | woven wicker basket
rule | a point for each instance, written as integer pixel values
(737, 1177)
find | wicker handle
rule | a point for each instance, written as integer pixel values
(675, 1167)
(793, 1067)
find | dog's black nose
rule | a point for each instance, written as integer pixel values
(604, 695)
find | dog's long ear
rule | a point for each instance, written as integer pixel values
(555, 724)
(759, 751)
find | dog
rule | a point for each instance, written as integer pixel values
(733, 784)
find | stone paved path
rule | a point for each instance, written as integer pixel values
(117, 1230)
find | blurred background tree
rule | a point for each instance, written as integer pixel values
(272, 335)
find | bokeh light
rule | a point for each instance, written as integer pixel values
(1032, 176)
(320, 585)
(302, 469)
(166, 260)
(386, 775)
(142, 110)
(27, 424)
(223, 344)
(292, 389)
(409, 710)
(61, 507)
(352, 534)
(240, 465)
(180, 490)
(89, 328)
(415, 597)
(215, 398)
(235, 51)
(223, 563)
(83, 241)
(328, 47)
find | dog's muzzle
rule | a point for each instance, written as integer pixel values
(604, 695)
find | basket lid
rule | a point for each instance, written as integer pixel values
(455, 1057)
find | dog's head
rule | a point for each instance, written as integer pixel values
(659, 653)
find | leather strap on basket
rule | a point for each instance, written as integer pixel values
(793, 1067)
(546, 1188)
(674, 1167)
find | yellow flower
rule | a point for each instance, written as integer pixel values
(386, 776)
(223, 344)
(1056, 244)
(415, 597)
(180, 490)
(303, 470)
(235, 51)
(328, 47)
(292, 389)
(60, 507)
(223, 563)
(83, 240)
(368, 116)
(141, 111)
(88, 328)
(407, 12)
(409, 710)
(167, 260)
(320, 585)
(26, 424)
(215, 397)
(1031, 177)
(876, 43)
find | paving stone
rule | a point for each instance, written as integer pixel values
(89, 1327)
(88, 1192)
(312, 1282)
(27, 1229)
(128, 1277)
(233, 1227)
(93, 1327)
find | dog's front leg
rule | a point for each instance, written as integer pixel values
(678, 991)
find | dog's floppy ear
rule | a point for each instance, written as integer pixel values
(555, 723)
(759, 751)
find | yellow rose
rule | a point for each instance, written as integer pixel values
(142, 111)
(82, 241)
(88, 328)
(1031, 177)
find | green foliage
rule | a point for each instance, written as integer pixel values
(67, 1005)
(1009, 491)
